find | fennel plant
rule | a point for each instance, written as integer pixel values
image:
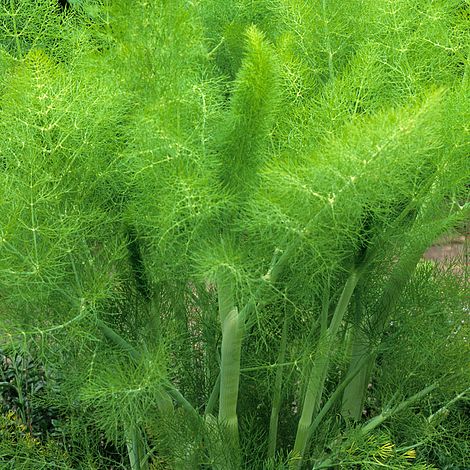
(212, 219)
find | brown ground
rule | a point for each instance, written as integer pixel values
(452, 251)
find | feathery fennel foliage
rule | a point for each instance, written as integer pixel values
(212, 219)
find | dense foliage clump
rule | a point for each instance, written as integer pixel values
(212, 222)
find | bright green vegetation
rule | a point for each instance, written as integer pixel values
(212, 221)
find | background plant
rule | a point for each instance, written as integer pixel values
(212, 220)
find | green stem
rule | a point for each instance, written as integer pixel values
(163, 404)
(403, 270)
(353, 397)
(278, 261)
(232, 335)
(119, 341)
(324, 310)
(179, 398)
(334, 397)
(354, 394)
(350, 333)
(276, 406)
(233, 325)
(135, 449)
(213, 397)
(445, 409)
(225, 293)
(319, 372)
(134, 435)
(378, 420)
